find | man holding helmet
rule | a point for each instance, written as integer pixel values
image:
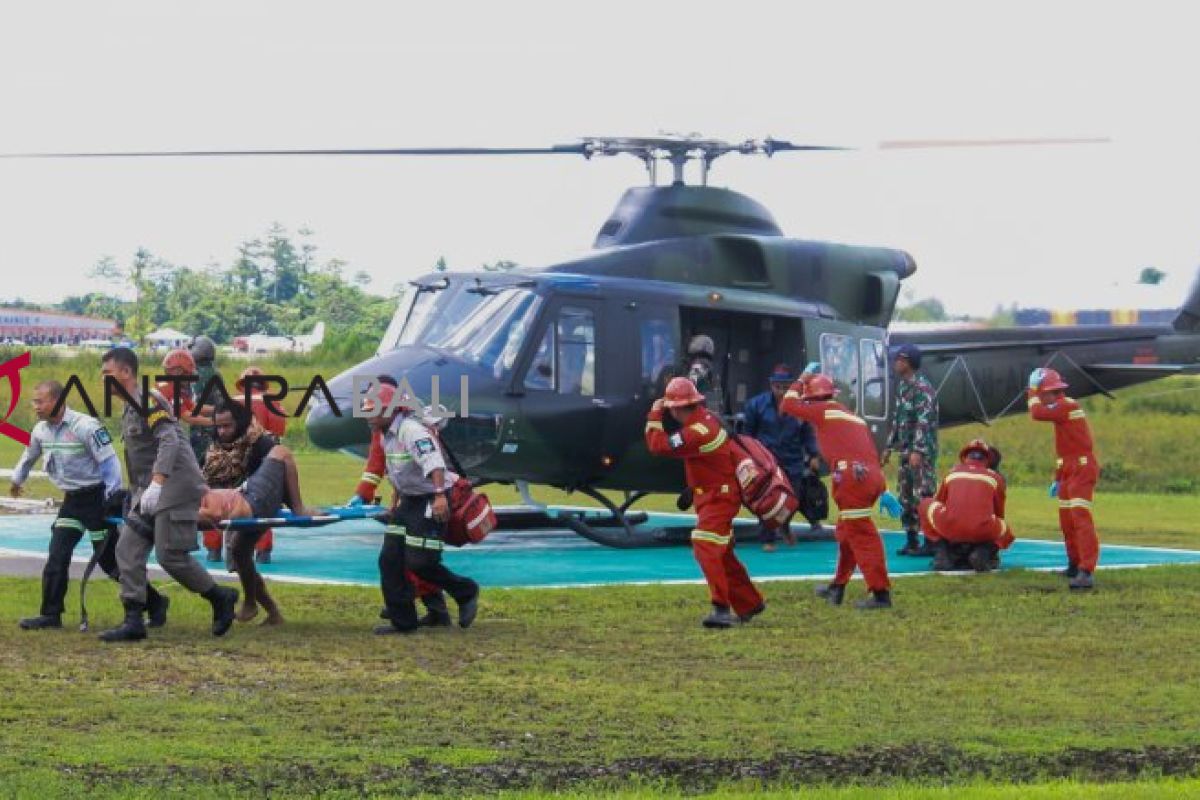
(858, 482)
(679, 426)
(1078, 471)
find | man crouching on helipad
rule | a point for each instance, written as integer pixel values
(692, 432)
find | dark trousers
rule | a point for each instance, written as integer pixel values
(419, 549)
(82, 511)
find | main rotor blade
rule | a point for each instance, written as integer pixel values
(568, 149)
(771, 146)
(930, 144)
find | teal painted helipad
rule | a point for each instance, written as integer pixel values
(347, 552)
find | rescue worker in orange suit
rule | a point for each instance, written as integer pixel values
(858, 482)
(968, 513)
(679, 426)
(1078, 471)
(437, 613)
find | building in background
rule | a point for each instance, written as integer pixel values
(34, 327)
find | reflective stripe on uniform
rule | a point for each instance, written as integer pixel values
(972, 476)
(371, 478)
(654, 425)
(1083, 460)
(1076, 414)
(98, 536)
(854, 513)
(929, 512)
(423, 543)
(717, 441)
(403, 458)
(700, 428)
(1077, 502)
(1059, 463)
(394, 530)
(791, 394)
(709, 536)
(71, 524)
(844, 416)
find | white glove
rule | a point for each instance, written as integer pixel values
(149, 502)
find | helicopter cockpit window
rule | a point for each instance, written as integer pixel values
(839, 360)
(874, 374)
(491, 335)
(567, 353)
(434, 314)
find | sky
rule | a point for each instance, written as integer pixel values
(1056, 226)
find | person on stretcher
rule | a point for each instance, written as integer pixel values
(274, 484)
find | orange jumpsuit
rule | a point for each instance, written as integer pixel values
(703, 444)
(368, 485)
(272, 423)
(969, 508)
(1078, 471)
(858, 482)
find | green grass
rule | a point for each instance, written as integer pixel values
(1000, 673)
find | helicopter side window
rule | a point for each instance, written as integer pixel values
(576, 352)
(541, 371)
(839, 360)
(874, 374)
(658, 353)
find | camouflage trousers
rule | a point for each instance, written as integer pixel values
(913, 484)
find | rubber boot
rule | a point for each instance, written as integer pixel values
(224, 608)
(156, 609)
(41, 622)
(468, 609)
(1082, 581)
(721, 617)
(942, 560)
(752, 613)
(1070, 572)
(132, 629)
(832, 593)
(437, 614)
(881, 599)
(912, 545)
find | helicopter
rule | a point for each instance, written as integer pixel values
(548, 372)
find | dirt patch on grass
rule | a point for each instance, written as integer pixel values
(876, 766)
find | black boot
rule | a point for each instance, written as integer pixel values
(1070, 572)
(752, 613)
(832, 593)
(40, 622)
(224, 607)
(132, 629)
(156, 609)
(926, 549)
(721, 617)
(882, 599)
(983, 557)
(912, 546)
(437, 613)
(942, 560)
(467, 610)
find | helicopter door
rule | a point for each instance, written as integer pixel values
(562, 404)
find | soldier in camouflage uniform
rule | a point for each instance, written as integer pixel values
(204, 353)
(914, 437)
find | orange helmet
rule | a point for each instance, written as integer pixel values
(180, 358)
(387, 395)
(1046, 380)
(976, 446)
(819, 387)
(681, 392)
(248, 372)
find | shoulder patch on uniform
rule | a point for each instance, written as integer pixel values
(101, 437)
(424, 446)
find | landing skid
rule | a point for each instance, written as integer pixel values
(618, 528)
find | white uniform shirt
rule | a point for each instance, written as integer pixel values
(413, 453)
(74, 450)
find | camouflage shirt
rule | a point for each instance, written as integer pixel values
(915, 419)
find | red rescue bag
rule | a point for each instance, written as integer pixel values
(472, 517)
(766, 491)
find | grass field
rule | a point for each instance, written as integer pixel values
(1005, 678)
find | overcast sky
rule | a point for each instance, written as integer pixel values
(1055, 226)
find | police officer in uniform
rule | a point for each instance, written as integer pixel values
(80, 460)
(165, 487)
(418, 472)
(915, 437)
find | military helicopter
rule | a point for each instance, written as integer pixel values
(561, 363)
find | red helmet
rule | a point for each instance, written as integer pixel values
(681, 392)
(387, 395)
(818, 387)
(976, 446)
(1046, 380)
(247, 373)
(180, 358)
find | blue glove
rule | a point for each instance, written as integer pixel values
(889, 505)
(354, 502)
(1053, 489)
(1035, 378)
(813, 367)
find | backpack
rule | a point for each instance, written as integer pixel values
(766, 491)
(472, 517)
